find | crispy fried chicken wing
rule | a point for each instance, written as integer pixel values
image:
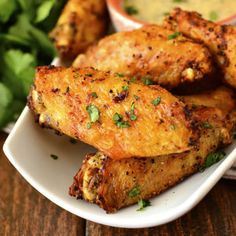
(220, 39)
(221, 97)
(150, 52)
(120, 118)
(108, 182)
(80, 25)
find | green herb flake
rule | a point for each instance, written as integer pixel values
(89, 125)
(120, 75)
(211, 159)
(131, 10)
(207, 125)
(125, 88)
(135, 191)
(54, 157)
(143, 204)
(133, 79)
(174, 35)
(156, 101)
(136, 97)
(73, 141)
(172, 127)
(94, 94)
(93, 112)
(120, 123)
(213, 16)
(179, 1)
(147, 81)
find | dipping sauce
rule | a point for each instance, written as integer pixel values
(153, 11)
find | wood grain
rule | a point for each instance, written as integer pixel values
(24, 211)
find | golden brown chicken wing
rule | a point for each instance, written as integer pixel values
(113, 184)
(150, 53)
(220, 39)
(80, 25)
(221, 97)
(120, 118)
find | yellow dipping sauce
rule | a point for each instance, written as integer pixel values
(153, 11)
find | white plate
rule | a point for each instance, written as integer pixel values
(28, 147)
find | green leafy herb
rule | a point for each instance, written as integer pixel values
(94, 94)
(93, 112)
(119, 75)
(53, 156)
(132, 116)
(172, 127)
(211, 159)
(6, 9)
(143, 204)
(133, 79)
(174, 35)
(89, 125)
(125, 88)
(214, 16)
(118, 120)
(44, 10)
(179, 1)
(147, 81)
(135, 191)
(207, 125)
(136, 97)
(156, 101)
(131, 10)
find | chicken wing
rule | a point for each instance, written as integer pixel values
(221, 97)
(220, 39)
(111, 183)
(150, 53)
(80, 25)
(120, 118)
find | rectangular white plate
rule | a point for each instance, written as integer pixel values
(28, 147)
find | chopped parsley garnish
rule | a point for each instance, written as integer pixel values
(73, 141)
(135, 191)
(143, 204)
(118, 120)
(120, 75)
(174, 35)
(214, 16)
(132, 116)
(166, 13)
(179, 1)
(207, 125)
(54, 157)
(133, 79)
(156, 101)
(94, 94)
(211, 159)
(147, 81)
(136, 97)
(131, 10)
(93, 112)
(125, 88)
(172, 127)
(88, 126)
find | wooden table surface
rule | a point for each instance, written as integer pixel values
(24, 211)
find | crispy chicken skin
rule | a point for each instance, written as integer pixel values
(107, 182)
(220, 39)
(221, 97)
(80, 25)
(154, 121)
(150, 51)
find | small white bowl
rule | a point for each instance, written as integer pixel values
(124, 22)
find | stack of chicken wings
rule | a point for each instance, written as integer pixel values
(155, 102)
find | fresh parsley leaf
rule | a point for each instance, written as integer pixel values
(119, 74)
(147, 81)
(214, 16)
(174, 35)
(7, 8)
(156, 101)
(93, 112)
(207, 125)
(131, 10)
(89, 125)
(136, 97)
(143, 204)
(43, 10)
(135, 191)
(125, 88)
(212, 158)
(133, 79)
(132, 116)
(94, 94)
(118, 120)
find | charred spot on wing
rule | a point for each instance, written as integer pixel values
(120, 96)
